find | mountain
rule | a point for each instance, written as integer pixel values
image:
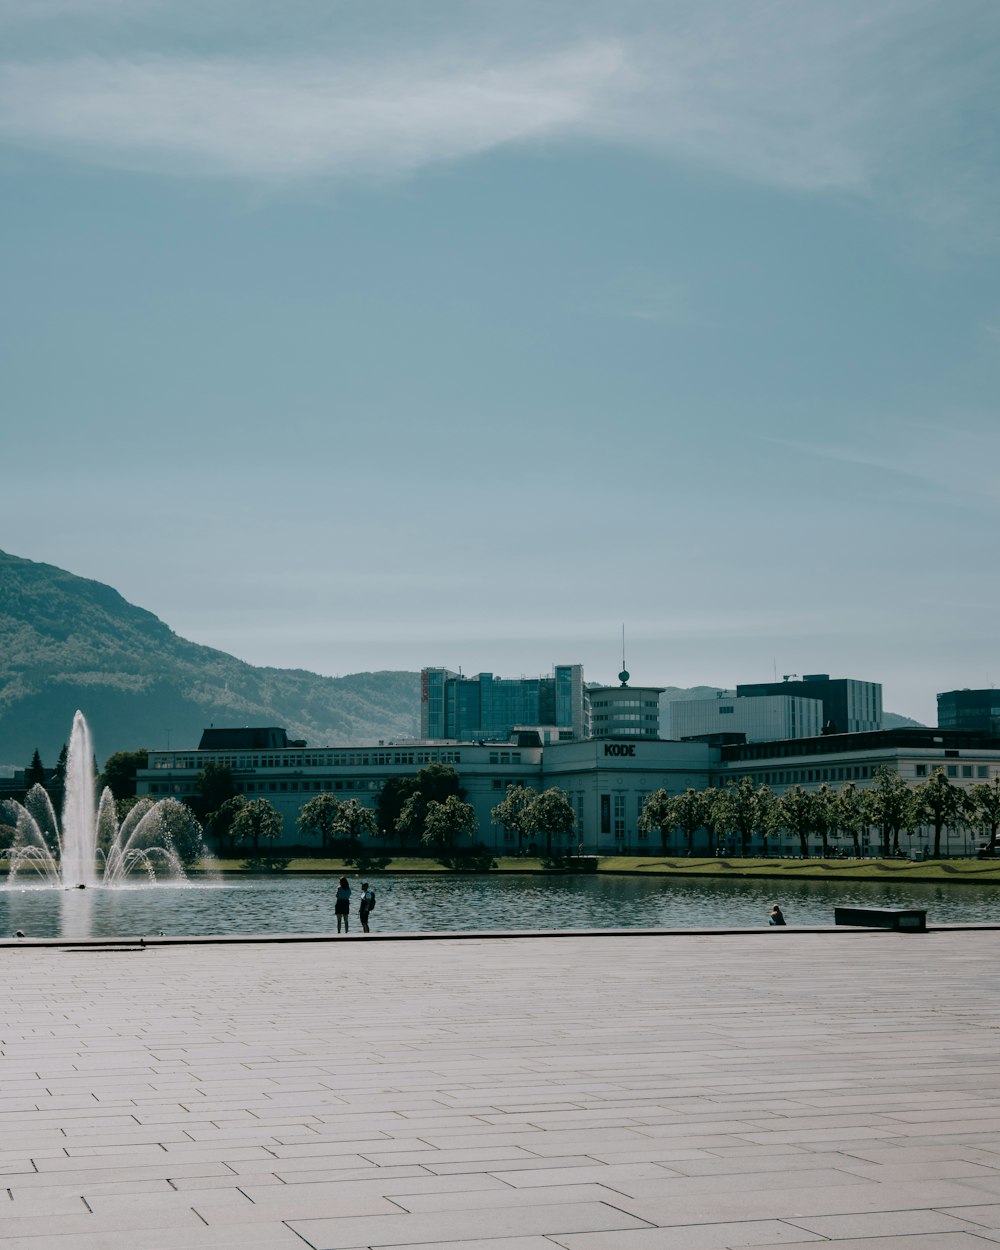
(67, 643)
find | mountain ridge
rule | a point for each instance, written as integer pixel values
(69, 642)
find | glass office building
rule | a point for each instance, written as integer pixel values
(487, 708)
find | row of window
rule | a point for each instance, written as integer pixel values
(855, 772)
(268, 787)
(309, 759)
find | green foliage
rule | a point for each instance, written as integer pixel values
(120, 771)
(984, 809)
(257, 819)
(446, 822)
(888, 803)
(509, 812)
(551, 814)
(434, 783)
(181, 831)
(744, 809)
(318, 818)
(34, 774)
(936, 802)
(657, 816)
(850, 813)
(353, 821)
(215, 786)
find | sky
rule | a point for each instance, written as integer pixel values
(375, 334)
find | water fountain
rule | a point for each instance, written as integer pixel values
(90, 847)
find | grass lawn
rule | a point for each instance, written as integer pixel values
(954, 870)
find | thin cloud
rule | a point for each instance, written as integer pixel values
(891, 100)
(297, 118)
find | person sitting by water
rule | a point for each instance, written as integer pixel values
(777, 915)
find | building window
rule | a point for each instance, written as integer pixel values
(982, 770)
(952, 770)
(966, 770)
(921, 770)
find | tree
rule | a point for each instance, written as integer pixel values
(220, 823)
(825, 816)
(318, 819)
(798, 813)
(889, 804)
(215, 786)
(509, 812)
(936, 802)
(434, 782)
(984, 810)
(689, 814)
(445, 822)
(550, 813)
(57, 786)
(181, 830)
(711, 815)
(353, 820)
(411, 821)
(850, 814)
(658, 815)
(120, 772)
(34, 774)
(257, 819)
(747, 809)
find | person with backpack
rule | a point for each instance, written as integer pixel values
(367, 905)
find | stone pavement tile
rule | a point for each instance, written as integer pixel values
(685, 1186)
(84, 1176)
(237, 1237)
(881, 1224)
(918, 1241)
(336, 1175)
(586, 1171)
(506, 1197)
(945, 1170)
(440, 1227)
(83, 1222)
(764, 1204)
(489, 1243)
(731, 1236)
(987, 1216)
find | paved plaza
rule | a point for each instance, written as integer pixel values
(620, 1092)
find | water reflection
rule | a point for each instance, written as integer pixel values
(441, 903)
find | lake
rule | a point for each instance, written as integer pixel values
(439, 903)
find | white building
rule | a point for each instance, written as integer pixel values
(764, 719)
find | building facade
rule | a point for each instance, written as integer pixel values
(765, 718)
(625, 711)
(970, 709)
(607, 780)
(489, 708)
(849, 706)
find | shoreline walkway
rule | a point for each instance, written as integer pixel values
(641, 1092)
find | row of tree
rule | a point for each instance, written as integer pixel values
(745, 809)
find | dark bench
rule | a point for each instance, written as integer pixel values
(901, 919)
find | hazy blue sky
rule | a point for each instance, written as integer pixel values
(353, 334)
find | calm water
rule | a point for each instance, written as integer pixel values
(438, 903)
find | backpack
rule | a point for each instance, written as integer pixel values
(371, 901)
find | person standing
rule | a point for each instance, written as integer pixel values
(367, 905)
(342, 908)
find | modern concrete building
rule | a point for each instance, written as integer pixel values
(606, 779)
(970, 709)
(849, 706)
(625, 711)
(488, 708)
(765, 718)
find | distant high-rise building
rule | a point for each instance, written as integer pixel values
(849, 706)
(764, 718)
(970, 709)
(488, 708)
